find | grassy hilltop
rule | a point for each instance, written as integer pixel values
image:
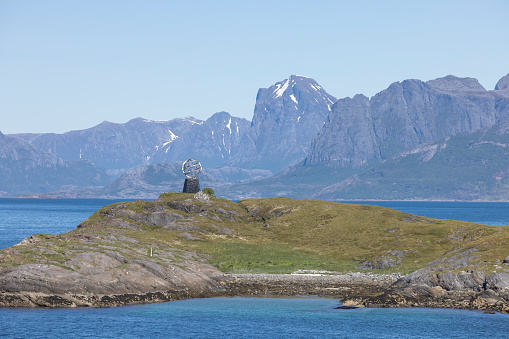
(276, 235)
(283, 235)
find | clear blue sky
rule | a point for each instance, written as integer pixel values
(72, 64)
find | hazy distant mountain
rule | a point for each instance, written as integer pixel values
(140, 142)
(468, 166)
(286, 117)
(150, 181)
(212, 142)
(352, 148)
(25, 169)
(147, 182)
(113, 147)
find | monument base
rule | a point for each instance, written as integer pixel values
(191, 185)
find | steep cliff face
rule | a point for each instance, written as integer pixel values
(501, 94)
(404, 115)
(25, 169)
(286, 117)
(353, 142)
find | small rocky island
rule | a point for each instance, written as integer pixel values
(186, 246)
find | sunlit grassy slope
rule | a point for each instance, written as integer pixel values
(277, 235)
(282, 235)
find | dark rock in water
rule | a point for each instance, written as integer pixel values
(345, 308)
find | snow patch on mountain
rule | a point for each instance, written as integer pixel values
(193, 120)
(278, 92)
(228, 126)
(316, 88)
(173, 137)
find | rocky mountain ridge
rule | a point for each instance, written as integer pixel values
(286, 139)
(286, 117)
(360, 130)
(436, 171)
(214, 141)
(117, 148)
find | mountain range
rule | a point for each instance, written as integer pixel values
(25, 169)
(301, 142)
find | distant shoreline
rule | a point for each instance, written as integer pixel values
(52, 197)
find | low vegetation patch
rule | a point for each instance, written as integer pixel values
(237, 257)
(276, 235)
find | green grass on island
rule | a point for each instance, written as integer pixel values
(280, 235)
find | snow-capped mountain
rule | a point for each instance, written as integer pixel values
(111, 146)
(287, 116)
(213, 141)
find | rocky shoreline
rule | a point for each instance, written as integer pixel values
(378, 290)
(338, 286)
(352, 289)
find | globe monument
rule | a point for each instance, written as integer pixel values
(191, 169)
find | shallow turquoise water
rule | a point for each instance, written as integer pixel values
(240, 317)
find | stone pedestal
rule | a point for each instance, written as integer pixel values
(191, 185)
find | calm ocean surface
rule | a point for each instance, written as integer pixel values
(302, 317)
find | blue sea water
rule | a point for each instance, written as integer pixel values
(20, 218)
(240, 317)
(488, 213)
